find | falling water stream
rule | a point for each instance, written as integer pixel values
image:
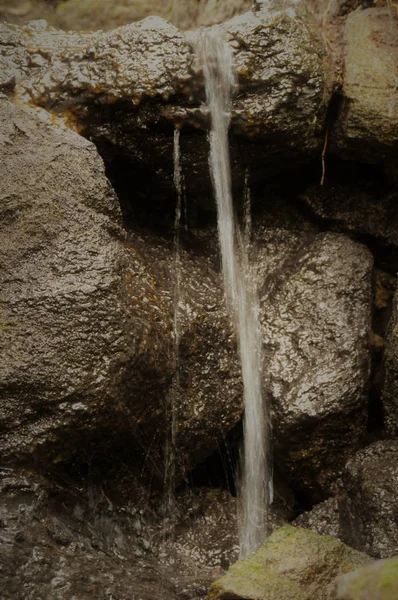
(171, 409)
(241, 294)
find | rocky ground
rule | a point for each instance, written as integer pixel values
(87, 298)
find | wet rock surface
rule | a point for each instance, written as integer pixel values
(129, 107)
(355, 200)
(315, 315)
(369, 507)
(378, 580)
(390, 391)
(293, 563)
(66, 327)
(364, 512)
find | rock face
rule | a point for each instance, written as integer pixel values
(367, 125)
(67, 338)
(65, 542)
(364, 513)
(390, 392)
(129, 107)
(379, 580)
(369, 508)
(87, 315)
(315, 314)
(293, 564)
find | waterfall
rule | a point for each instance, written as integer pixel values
(171, 409)
(241, 294)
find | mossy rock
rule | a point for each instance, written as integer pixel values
(293, 564)
(378, 581)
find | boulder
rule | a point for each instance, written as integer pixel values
(356, 201)
(293, 564)
(73, 346)
(323, 518)
(363, 514)
(68, 541)
(378, 580)
(369, 506)
(367, 123)
(390, 388)
(315, 306)
(129, 106)
(86, 325)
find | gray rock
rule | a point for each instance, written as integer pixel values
(71, 542)
(390, 389)
(367, 125)
(74, 346)
(367, 210)
(323, 518)
(378, 580)
(87, 315)
(368, 506)
(316, 317)
(293, 564)
(95, 81)
(363, 514)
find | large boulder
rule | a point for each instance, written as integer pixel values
(293, 564)
(364, 512)
(315, 295)
(86, 326)
(378, 580)
(367, 123)
(126, 89)
(71, 343)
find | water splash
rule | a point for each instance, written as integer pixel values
(241, 294)
(172, 418)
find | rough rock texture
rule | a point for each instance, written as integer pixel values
(323, 518)
(364, 512)
(68, 338)
(367, 126)
(208, 399)
(283, 72)
(354, 202)
(369, 507)
(315, 298)
(390, 391)
(87, 315)
(65, 542)
(294, 564)
(378, 580)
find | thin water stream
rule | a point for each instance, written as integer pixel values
(241, 294)
(171, 409)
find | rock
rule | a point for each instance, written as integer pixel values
(390, 388)
(72, 347)
(367, 210)
(87, 316)
(130, 107)
(294, 564)
(364, 512)
(367, 125)
(315, 295)
(369, 506)
(323, 518)
(70, 542)
(378, 580)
